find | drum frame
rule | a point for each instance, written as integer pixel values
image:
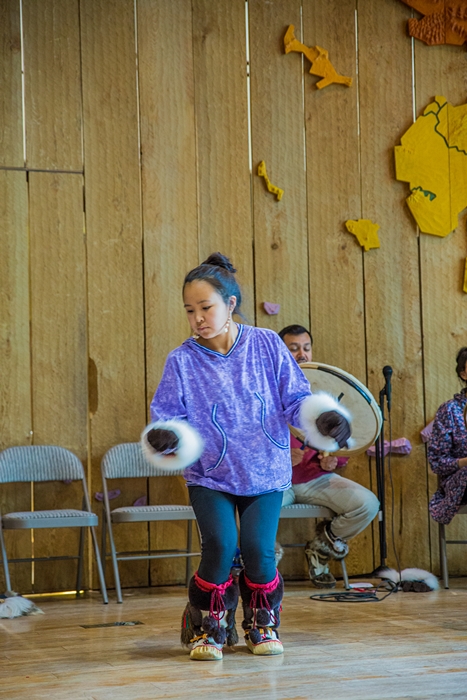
(356, 386)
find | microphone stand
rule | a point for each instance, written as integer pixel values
(380, 475)
(380, 482)
(380, 487)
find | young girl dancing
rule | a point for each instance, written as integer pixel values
(221, 413)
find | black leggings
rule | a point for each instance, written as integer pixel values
(259, 519)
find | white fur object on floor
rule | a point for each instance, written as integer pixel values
(413, 574)
(311, 409)
(15, 605)
(190, 447)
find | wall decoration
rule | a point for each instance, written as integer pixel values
(432, 158)
(444, 22)
(141, 501)
(275, 190)
(426, 432)
(400, 446)
(99, 496)
(319, 59)
(365, 231)
(271, 309)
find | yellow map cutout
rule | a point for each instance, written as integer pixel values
(465, 277)
(275, 190)
(319, 59)
(365, 231)
(432, 158)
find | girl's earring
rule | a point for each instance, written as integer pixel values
(195, 336)
(227, 325)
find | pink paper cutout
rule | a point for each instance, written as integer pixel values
(401, 446)
(270, 308)
(141, 501)
(112, 494)
(426, 432)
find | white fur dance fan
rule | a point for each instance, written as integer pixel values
(13, 605)
(409, 580)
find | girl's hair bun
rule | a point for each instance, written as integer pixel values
(220, 273)
(219, 260)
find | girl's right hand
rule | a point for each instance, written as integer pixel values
(163, 441)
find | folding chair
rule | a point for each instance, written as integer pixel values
(303, 510)
(48, 463)
(127, 461)
(443, 549)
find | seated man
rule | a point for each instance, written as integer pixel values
(315, 482)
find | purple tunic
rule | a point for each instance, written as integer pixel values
(447, 444)
(241, 404)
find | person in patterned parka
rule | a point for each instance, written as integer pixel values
(447, 451)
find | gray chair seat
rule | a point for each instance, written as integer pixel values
(48, 518)
(303, 510)
(131, 514)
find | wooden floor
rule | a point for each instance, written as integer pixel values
(412, 645)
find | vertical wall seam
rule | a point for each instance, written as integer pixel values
(23, 91)
(90, 558)
(195, 127)
(305, 167)
(422, 332)
(23, 107)
(31, 423)
(250, 156)
(142, 248)
(374, 531)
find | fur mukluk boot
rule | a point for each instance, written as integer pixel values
(278, 552)
(326, 544)
(409, 580)
(318, 568)
(261, 614)
(208, 620)
(318, 551)
(14, 605)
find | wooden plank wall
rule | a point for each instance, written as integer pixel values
(335, 262)
(129, 148)
(15, 372)
(444, 309)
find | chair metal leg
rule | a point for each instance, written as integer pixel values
(443, 559)
(103, 541)
(79, 575)
(99, 566)
(344, 575)
(5, 560)
(113, 551)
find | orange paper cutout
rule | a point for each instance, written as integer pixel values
(319, 59)
(444, 22)
(272, 188)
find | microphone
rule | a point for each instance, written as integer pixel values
(387, 371)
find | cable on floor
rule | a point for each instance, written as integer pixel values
(366, 596)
